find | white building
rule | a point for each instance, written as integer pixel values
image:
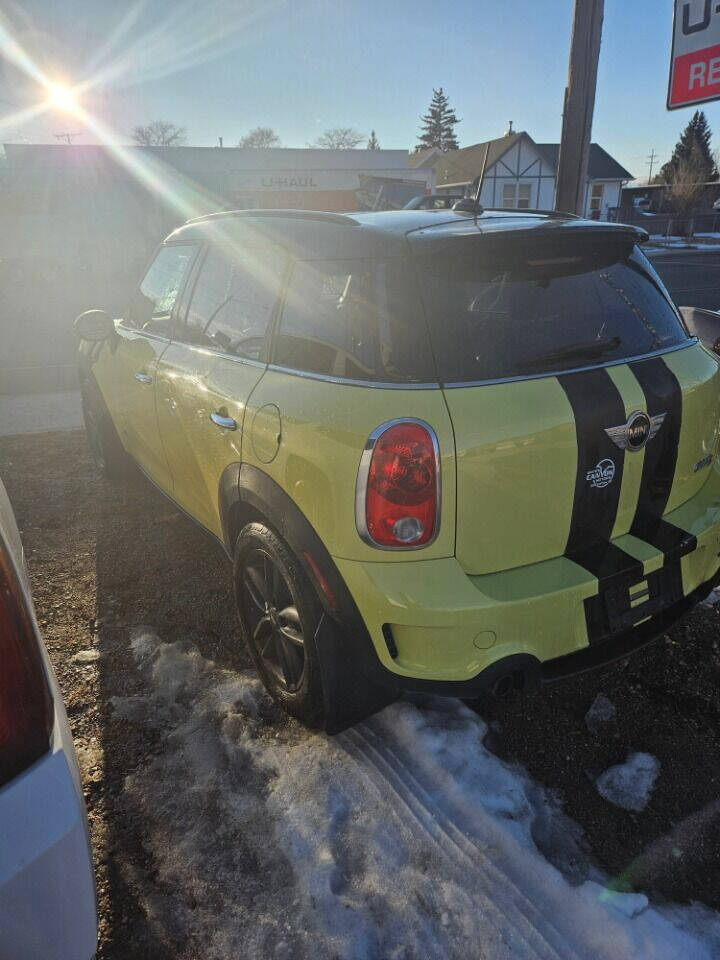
(521, 174)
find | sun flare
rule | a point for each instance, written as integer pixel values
(62, 97)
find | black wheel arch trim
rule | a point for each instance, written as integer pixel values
(355, 683)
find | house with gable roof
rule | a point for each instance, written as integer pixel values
(520, 174)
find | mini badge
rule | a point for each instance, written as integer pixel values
(639, 429)
(602, 474)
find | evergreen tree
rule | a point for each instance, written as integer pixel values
(692, 147)
(373, 143)
(438, 124)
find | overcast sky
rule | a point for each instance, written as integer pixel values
(220, 67)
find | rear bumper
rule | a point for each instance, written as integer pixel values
(435, 628)
(47, 890)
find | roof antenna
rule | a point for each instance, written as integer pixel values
(472, 204)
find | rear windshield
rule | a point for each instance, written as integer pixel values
(517, 310)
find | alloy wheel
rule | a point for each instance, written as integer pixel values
(273, 621)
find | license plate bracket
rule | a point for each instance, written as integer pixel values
(629, 603)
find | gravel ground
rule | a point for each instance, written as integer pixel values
(105, 561)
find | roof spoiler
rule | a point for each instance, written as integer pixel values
(282, 214)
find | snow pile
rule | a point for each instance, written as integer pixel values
(402, 838)
(629, 785)
(602, 711)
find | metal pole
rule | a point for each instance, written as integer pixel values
(579, 106)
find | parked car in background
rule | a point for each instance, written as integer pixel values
(47, 888)
(434, 201)
(703, 324)
(446, 453)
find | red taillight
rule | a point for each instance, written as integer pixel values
(399, 486)
(25, 705)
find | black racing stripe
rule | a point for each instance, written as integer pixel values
(663, 394)
(596, 404)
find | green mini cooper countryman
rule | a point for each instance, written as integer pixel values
(444, 451)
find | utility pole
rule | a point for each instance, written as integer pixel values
(579, 106)
(67, 137)
(651, 160)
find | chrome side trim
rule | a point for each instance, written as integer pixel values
(141, 333)
(353, 383)
(209, 352)
(560, 373)
(362, 478)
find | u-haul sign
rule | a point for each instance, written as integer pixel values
(695, 61)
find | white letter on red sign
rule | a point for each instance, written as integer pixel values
(697, 74)
(714, 70)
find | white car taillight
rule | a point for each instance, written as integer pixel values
(397, 499)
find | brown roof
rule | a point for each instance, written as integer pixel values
(463, 165)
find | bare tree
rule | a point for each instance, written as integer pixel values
(338, 138)
(687, 188)
(160, 133)
(260, 138)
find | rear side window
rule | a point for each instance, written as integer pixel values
(511, 310)
(233, 300)
(355, 320)
(155, 300)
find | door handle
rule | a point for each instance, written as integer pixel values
(227, 423)
(143, 378)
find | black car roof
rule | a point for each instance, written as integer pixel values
(314, 234)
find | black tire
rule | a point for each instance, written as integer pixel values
(279, 613)
(106, 449)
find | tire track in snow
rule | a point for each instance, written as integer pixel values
(459, 850)
(401, 839)
(549, 917)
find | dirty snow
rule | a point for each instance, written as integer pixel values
(602, 712)
(629, 785)
(402, 838)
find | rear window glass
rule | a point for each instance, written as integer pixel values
(518, 310)
(355, 320)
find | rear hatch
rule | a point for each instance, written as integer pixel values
(581, 408)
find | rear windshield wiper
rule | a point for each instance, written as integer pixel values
(574, 351)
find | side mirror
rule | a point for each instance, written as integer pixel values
(94, 325)
(703, 324)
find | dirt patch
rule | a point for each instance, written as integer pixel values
(105, 560)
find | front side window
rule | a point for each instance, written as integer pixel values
(355, 320)
(154, 302)
(499, 310)
(233, 300)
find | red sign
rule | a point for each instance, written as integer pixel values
(695, 62)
